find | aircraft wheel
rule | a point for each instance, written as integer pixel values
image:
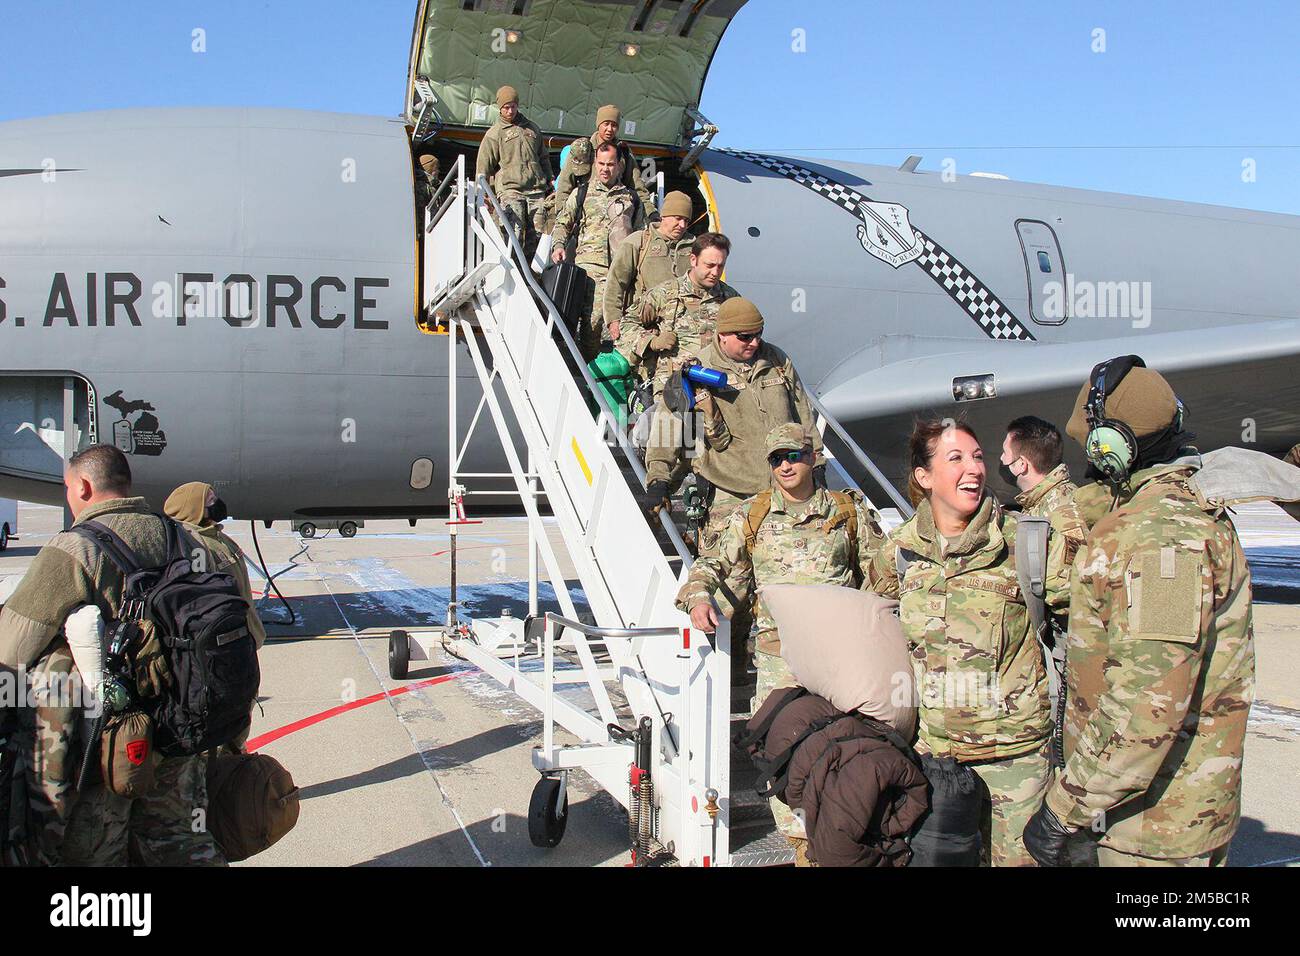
(348, 529)
(307, 529)
(4, 537)
(399, 654)
(548, 813)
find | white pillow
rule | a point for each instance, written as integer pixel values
(847, 646)
(85, 633)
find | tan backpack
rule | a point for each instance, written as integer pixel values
(252, 803)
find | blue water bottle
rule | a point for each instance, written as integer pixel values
(699, 375)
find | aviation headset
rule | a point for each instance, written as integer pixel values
(1111, 447)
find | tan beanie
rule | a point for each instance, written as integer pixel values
(677, 204)
(1143, 401)
(507, 94)
(739, 315)
(606, 113)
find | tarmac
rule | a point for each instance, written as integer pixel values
(435, 769)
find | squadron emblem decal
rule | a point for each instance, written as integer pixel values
(887, 234)
(885, 231)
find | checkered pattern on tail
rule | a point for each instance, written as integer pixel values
(962, 285)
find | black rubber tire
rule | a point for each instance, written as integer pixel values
(547, 818)
(307, 529)
(399, 654)
(348, 529)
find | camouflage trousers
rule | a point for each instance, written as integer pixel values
(591, 312)
(774, 673)
(1110, 857)
(1015, 789)
(47, 758)
(526, 216)
(166, 828)
(740, 613)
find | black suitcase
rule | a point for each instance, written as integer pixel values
(565, 283)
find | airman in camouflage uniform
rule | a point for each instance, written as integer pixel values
(657, 254)
(610, 212)
(677, 319)
(513, 156)
(582, 154)
(763, 391)
(979, 668)
(427, 178)
(69, 573)
(1161, 664)
(808, 536)
(46, 750)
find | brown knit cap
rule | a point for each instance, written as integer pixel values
(1143, 401)
(610, 112)
(507, 94)
(677, 204)
(739, 315)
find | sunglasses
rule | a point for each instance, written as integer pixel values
(747, 336)
(793, 457)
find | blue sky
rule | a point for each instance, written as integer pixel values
(1182, 95)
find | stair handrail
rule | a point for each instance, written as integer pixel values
(517, 253)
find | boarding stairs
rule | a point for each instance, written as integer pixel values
(648, 697)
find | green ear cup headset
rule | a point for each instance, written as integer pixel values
(1111, 447)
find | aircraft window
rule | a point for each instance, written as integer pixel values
(1043, 263)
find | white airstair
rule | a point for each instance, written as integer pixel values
(648, 697)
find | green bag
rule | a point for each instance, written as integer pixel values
(614, 379)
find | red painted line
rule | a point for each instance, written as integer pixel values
(273, 735)
(464, 547)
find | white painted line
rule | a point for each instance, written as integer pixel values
(446, 800)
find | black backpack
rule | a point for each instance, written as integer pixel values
(201, 620)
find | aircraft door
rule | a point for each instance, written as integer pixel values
(1044, 268)
(44, 420)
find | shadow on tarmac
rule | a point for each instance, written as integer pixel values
(1256, 845)
(457, 754)
(594, 832)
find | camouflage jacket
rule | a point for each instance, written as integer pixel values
(804, 547)
(642, 261)
(1092, 501)
(979, 668)
(70, 572)
(607, 211)
(689, 310)
(1161, 672)
(577, 170)
(1293, 456)
(730, 451)
(1056, 490)
(514, 157)
(1053, 499)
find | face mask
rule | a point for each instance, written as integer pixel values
(1007, 474)
(217, 511)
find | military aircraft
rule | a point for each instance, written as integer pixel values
(235, 295)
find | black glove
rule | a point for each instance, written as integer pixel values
(654, 497)
(674, 395)
(1051, 844)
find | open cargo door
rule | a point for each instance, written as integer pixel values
(567, 58)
